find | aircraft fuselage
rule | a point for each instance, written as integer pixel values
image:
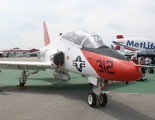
(101, 62)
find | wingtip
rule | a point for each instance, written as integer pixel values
(138, 65)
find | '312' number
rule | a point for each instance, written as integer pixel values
(105, 66)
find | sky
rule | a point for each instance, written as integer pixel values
(21, 21)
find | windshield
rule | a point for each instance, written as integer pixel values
(93, 42)
(89, 38)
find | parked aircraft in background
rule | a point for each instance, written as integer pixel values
(83, 52)
(133, 44)
(1, 54)
(123, 52)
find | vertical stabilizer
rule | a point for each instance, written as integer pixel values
(119, 37)
(46, 36)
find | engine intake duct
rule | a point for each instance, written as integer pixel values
(58, 58)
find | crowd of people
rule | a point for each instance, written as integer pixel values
(142, 61)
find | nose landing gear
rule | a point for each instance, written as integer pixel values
(93, 98)
(97, 94)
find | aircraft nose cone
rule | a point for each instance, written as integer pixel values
(129, 71)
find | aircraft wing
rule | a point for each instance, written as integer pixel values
(27, 65)
(27, 54)
(147, 66)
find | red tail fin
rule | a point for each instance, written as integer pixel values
(46, 36)
(119, 36)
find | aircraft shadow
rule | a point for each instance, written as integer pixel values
(114, 108)
(75, 90)
(122, 111)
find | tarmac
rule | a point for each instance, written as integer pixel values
(47, 98)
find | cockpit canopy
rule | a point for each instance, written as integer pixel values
(84, 38)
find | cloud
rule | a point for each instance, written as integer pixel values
(21, 21)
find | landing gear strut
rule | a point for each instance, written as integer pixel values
(24, 76)
(97, 94)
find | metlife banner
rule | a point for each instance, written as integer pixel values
(146, 45)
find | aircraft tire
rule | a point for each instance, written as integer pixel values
(21, 79)
(102, 99)
(20, 83)
(91, 99)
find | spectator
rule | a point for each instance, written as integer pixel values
(143, 69)
(139, 59)
(147, 60)
(153, 60)
(134, 59)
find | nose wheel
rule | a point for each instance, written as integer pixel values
(102, 99)
(93, 98)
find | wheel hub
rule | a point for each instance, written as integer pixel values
(90, 99)
(100, 99)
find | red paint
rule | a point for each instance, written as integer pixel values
(117, 47)
(119, 37)
(111, 68)
(46, 36)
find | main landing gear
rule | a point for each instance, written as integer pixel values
(24, 76)
(97, 94)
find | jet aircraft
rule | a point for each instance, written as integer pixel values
(133, 44)
(121, 50)
(83, 52)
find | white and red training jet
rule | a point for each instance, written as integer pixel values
(83, 52)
